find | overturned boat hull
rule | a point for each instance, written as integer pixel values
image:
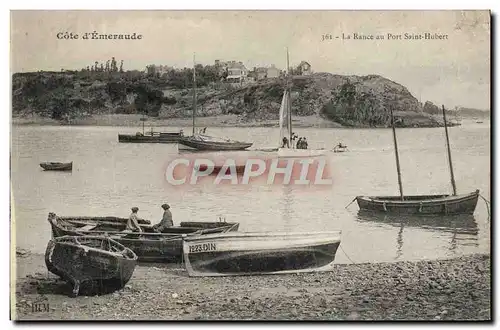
(420, 205)
(80, 260)
(260, 253)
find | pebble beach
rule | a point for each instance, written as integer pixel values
(429, 290)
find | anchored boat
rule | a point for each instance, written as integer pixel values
(421, 204)
(57, 166)
(79, 260)
(150, 137)
(148, 245)
(285, 124)
(259, 253)
(201, 142)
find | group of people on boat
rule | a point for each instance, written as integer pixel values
(301, 143)
(166, 221)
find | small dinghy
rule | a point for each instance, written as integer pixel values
(55, 166)
(80, 260)
(259, 253)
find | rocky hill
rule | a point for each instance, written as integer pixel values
(352, 101)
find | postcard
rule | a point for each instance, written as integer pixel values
(250, 165)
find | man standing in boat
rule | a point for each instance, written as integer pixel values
(133, 221)
(285, 143)
(166, 221)
(304, 143)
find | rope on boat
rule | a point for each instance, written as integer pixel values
(487, 205)
(346, 255)
(351, 202)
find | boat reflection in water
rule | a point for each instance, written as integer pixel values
(463, 228)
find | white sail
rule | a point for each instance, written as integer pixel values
(284, 121)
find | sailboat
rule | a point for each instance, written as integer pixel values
(285, 121)
(198, 141)
(421, 204)
(150, 137)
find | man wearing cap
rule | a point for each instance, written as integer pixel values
(166, 221)
(133, 221)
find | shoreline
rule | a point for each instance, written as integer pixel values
(135, 121)
(447, 289)
(119, 120)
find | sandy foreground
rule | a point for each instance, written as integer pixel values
(454, 289)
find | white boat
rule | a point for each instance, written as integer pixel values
(285, 122)
(236, 253)
(300, 153)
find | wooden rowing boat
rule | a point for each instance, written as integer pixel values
(259, 253)
(80, 260)
(421, 204)
(148, 245)
(57, 166)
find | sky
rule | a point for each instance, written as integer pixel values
(454, 71)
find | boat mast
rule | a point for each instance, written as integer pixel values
(194, 91)
(449, 154)
(397, 156)
(143, 120)
(289, 101)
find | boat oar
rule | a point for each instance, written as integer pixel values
(351, 202)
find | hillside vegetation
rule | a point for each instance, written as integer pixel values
(352, 101)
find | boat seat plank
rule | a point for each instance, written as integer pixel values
(87, 227)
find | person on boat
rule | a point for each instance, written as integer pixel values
(304, 143)
(299, 143)
(285, 143)
(133, 221)
(166, 221)
(294, 137)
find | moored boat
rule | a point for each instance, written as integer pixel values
(287, 147)
(150, 137)
(198, 141)
(421, 204)
(260, 253)
(300, 153)
(57, 166)
(80, 260)
(205, 143)
(340, 148)
(148, 245)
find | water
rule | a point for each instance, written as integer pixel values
(108, 178)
